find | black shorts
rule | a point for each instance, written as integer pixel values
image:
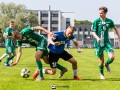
(53, 58)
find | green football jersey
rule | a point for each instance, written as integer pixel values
(8, 41)
(101, 28)
(28, 36)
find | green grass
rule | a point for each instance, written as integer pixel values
(10, 78)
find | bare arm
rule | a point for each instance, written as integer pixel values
(18, 56)
(96, 37)
(50, 40)
(117, 32)
(77, 45)
(44, 30)
(5, 36)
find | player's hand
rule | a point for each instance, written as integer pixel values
(98, 40)
(14, 63)
(51, 34)
(57, 43)
(79, 50)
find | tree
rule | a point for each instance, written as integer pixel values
(83, 22)
(19, 13)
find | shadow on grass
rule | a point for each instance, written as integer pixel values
(107, 79)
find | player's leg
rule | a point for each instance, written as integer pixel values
(110, 51)
(3, 56)
(39, 64)
(100, 55)
(9, 51)
(74, 67)
(68, 57)
(101, 67)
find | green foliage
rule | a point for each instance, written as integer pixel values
(18, 13)
(83, 22)
(10, 78)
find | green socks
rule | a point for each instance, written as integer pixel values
(60, 67)
(39, 65)
(8, 59)
(109, 61)
(101, 69)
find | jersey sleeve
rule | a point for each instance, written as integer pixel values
(94, 26)
(112, 25)
(7, 32)
(72, 37)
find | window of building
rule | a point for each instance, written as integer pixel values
(54, 22)
(67, 22)
(44, 15)
(54, 15)
(80, 29)
(44, 22)
(54, 28)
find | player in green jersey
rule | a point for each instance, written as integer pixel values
(27, 35)
(9, 43)
(100, 30)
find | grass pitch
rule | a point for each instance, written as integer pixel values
(10, 78)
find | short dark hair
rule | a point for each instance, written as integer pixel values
(11, 21)
(104, 8)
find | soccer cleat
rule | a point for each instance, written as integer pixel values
(35, 74)
(108, 68)
(63, 72)
(76, 78)
(11, 62)
(6, 64)
(102, 76)
(39, 78)
(0, 60)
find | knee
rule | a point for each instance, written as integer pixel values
(74, 62)
(53, 72)
(112, 58)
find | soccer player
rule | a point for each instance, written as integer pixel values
(9, 43)
(27, 35)
(57, 45)
(100, 30)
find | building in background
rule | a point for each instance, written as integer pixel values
(86, 39)
(54, 20)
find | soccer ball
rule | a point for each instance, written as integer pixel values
(25, 73)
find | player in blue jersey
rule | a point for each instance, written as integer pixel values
(57, 45)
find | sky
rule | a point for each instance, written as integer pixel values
(83, 9)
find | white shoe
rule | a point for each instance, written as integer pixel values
(108, 68)
(102, 76)
(39, 78)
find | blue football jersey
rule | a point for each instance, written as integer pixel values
(62, 39)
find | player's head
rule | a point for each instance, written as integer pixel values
(17, 35)
(11, 23)
(103, 11)
(69, 31)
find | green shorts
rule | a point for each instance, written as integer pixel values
(42, 45)
(10, 49)
(100, 50)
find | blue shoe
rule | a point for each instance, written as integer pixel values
(6, 64)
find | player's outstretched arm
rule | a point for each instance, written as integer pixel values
(44, 30)
(77, 46)
(117, 32)
(18, 56)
